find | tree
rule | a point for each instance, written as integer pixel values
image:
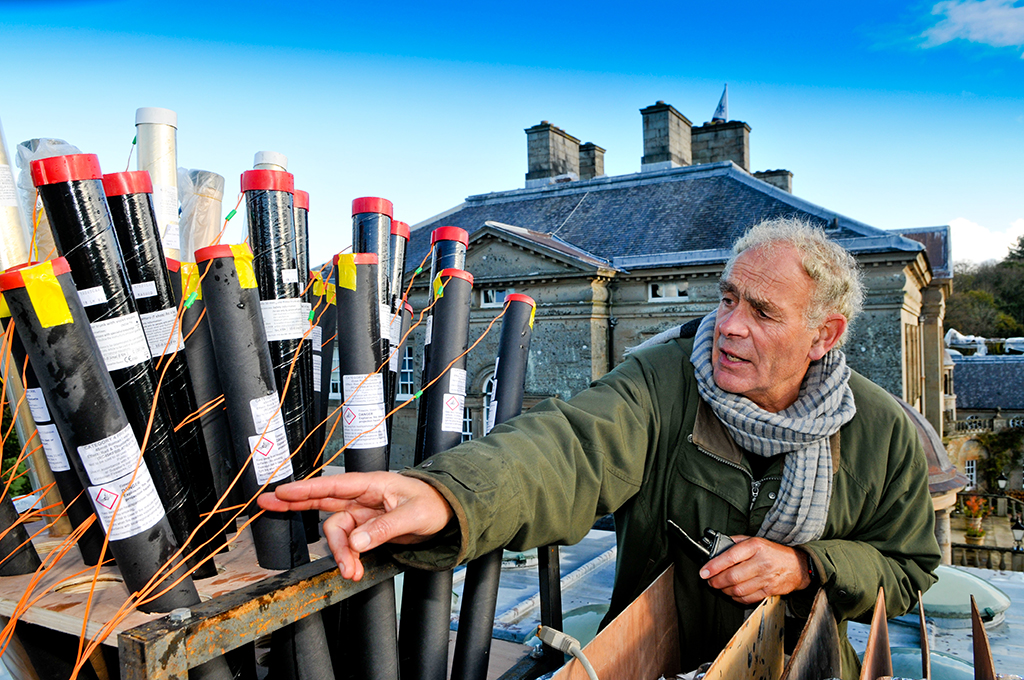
(12, 449)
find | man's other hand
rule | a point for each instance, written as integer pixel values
(756, 568)
(369, 509)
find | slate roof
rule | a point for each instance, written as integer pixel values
(989, 382)
(651, 219)
(938, 246)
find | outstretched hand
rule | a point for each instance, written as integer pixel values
(756, 568)
(369, 509)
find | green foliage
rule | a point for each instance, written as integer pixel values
(989, 298)
(1004, 453)
(12, 448)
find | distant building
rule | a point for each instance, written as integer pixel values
(611, 261)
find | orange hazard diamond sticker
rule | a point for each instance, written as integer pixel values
(350, 416)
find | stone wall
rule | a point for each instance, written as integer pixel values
(716, 142)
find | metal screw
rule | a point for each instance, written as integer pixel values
(180, 614)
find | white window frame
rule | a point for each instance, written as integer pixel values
(467, 424)
(971, 472)
(681, 288)
(335, 382)
(406, 369)
(497, 296)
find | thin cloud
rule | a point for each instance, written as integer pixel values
(998, 23)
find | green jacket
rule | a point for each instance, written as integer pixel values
(642, 444)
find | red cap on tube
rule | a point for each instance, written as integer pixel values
(519, 297)
(211, 252)
(12, 279)
(172, 265)
(449, 234)
(268, 180)
(372, 204)
(122, 183)
(400, 229)
(302, 199)
(66, 169)
(458, 274)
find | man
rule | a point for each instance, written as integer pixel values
(750, 424)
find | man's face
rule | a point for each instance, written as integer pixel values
(762, 344)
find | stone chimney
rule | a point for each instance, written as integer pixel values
(591, 161)
(551, 152)
(782, 179)
(716, 142)
(666, 138)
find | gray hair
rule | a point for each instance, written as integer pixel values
(836, 274)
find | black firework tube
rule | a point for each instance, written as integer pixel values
(480, 590)
(371, 643)
(270, 211)
(103, 450)
(371, 233)
(246, 373)
(76, 503)
(72, 195)
(202, 363)
(308, 455)
(17, 554)
(130, 201)
(399, 241)
(247, 376)
(426, 596)
(326, 317)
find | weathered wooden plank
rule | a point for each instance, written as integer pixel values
(984, 667)
(816, 654)
(755, 652)
(877, 658)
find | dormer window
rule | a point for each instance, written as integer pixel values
(667, 291)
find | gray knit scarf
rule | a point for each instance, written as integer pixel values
(825, 404)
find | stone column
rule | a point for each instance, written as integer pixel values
(933, 308)
(942, 535)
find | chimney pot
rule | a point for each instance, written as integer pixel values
(782, 179)
(591, 161)
(717, 142)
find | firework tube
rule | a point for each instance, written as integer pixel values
(326, 318)
(250, 393)
(480, 592)
(17, 554)
(426, 596)
(156, 132)
(253, 406)
(72, 195)
(372, 640)
(129, 199)
(68, 485)
(269, 205)
(102, 448)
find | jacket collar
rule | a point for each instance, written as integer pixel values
(710, 434)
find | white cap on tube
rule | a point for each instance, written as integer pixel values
(152, 114)
(270, 160)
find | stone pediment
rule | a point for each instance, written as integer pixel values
(499, 251)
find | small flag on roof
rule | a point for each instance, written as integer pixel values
(722, 112)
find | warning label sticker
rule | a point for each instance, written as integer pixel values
(317, 368)
(146, 289)
(386, 318)
(92, 296)
(360, 389)
(271, 459)
(122, 341)
(430, 330)
(139, 507)
(457, 380)
(290, 275)
(317, 335)
(283, 319)
(451, 420)
(53, 447)
(366, 420)
(37, 405)
(111, 458)
(159, 327)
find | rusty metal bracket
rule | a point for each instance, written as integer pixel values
(169, 646)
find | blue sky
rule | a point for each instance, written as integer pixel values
(896, 114)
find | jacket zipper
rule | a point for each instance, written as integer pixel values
(755, 484)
